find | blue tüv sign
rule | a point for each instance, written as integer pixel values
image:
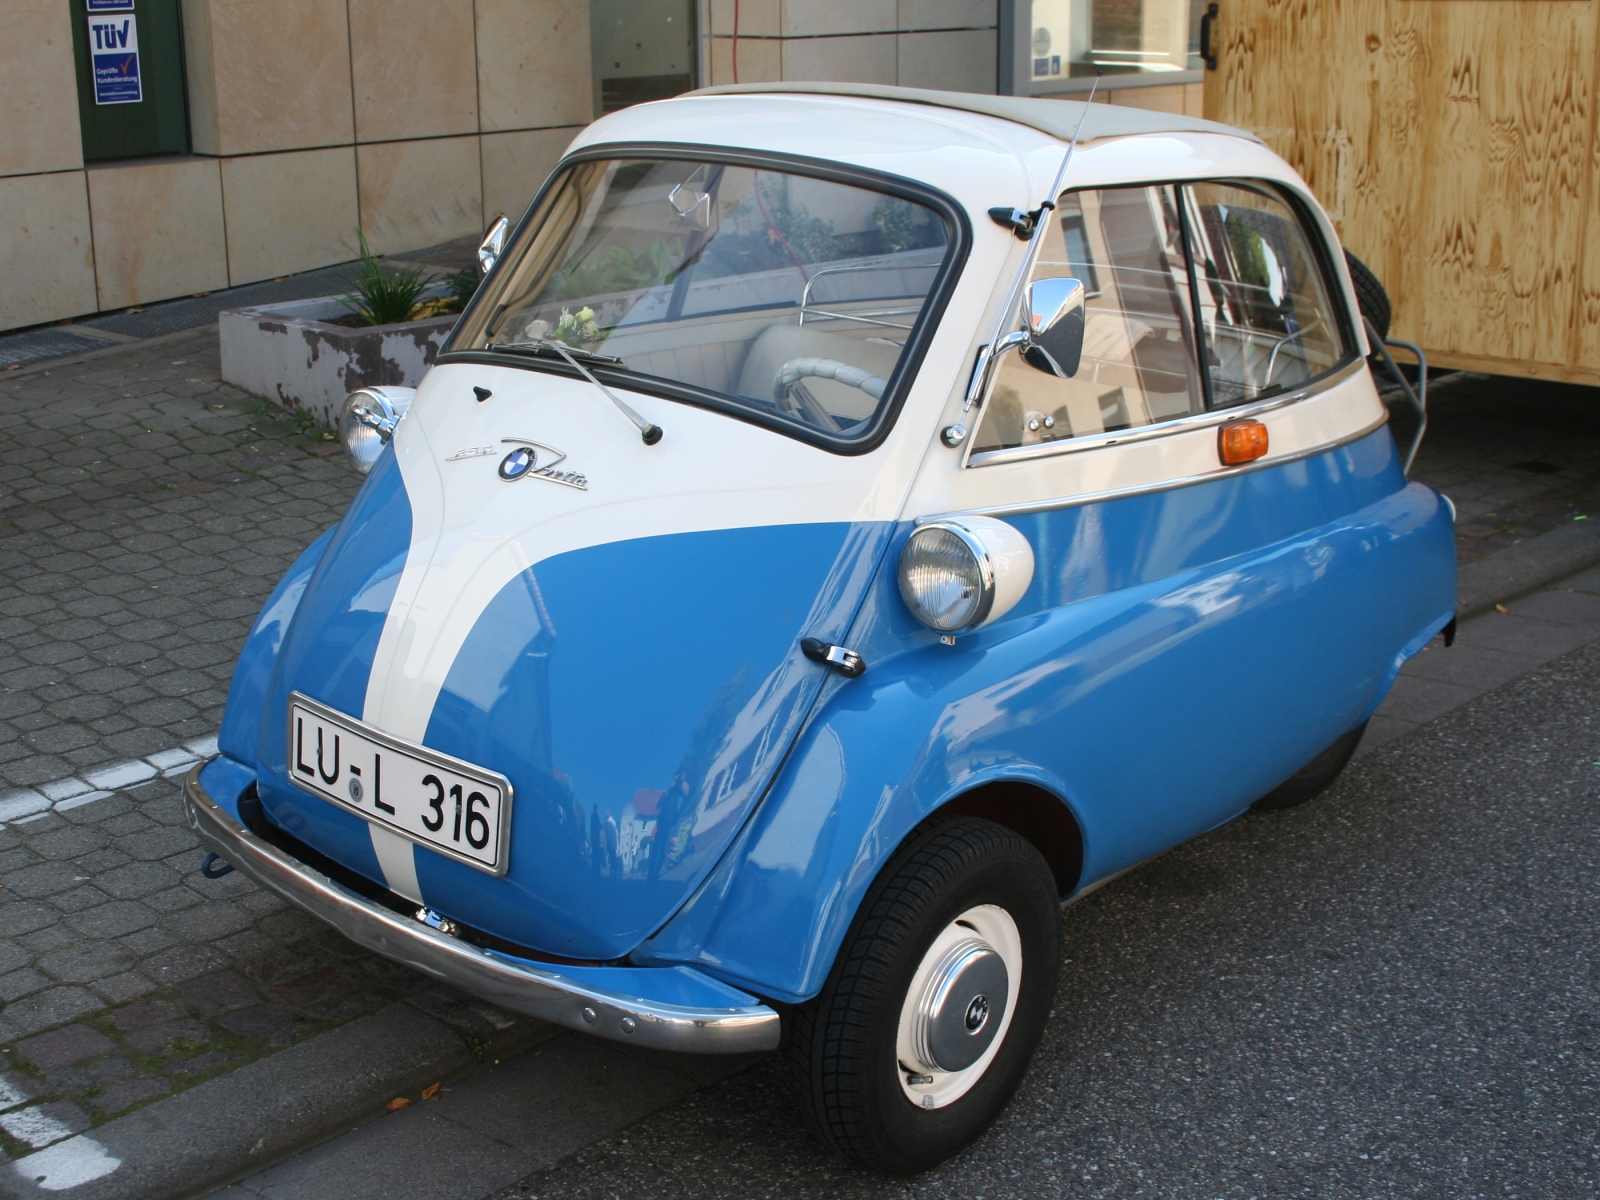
(114, 59)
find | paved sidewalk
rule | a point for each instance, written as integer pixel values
(1518, 457)
(146, 511)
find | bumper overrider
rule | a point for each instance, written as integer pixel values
(511, 983)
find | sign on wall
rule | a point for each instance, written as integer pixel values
(114, 59)
(110, 5)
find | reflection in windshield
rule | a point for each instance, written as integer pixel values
(791, 294)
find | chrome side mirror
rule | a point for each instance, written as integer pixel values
(493, 243)
(1053, 320)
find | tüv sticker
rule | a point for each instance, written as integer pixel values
(114, 59)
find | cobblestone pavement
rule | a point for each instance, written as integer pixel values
(146, 510)
(129, 975)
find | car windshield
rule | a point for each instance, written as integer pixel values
(790, 295)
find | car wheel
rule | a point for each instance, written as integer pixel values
(1371, 297)
(936, 1002)
(1315, 776)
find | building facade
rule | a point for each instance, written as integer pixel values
(154, 149)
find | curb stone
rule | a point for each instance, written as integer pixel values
(1525, 567)
(223, 1130)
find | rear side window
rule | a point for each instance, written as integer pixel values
(1220, 273)
(1269, 324)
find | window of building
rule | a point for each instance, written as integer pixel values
(642, 50)
(1077, 38)
(1266, 323)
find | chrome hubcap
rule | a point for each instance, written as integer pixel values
(953, 1026)
(958, 1007)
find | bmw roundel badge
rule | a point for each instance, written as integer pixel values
(518, 463)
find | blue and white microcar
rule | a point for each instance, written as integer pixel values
(847, 523)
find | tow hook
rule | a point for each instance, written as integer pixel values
(847, 662)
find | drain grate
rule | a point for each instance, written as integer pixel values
(37, 345)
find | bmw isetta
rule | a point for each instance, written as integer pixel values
(848, 523)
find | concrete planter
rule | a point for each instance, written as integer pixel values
(290, 354)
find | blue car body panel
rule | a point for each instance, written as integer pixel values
(252, 674)
(652, 689)
(1177, 655)
(638, 695)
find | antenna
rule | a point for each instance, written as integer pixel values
(1055, 189)
(955, 434)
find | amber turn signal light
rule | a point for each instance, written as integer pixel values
(1241, 442)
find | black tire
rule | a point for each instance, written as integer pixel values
(846, 1069)
(1316, 776)
(1371, 297)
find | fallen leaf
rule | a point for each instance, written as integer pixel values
(397, 1104)
(1501, 608)
(431, 1092)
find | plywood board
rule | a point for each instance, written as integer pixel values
(1453, 143)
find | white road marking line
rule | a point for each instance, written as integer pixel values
(10, 1094)
(66, 1165)
(61, 795)
(34, 1126)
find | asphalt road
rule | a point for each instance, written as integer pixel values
(1389, 992)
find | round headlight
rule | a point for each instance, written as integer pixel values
(368, 421)
(960, 573)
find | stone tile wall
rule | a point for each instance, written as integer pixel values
(307, 117)
(419, 120)
(947, 44)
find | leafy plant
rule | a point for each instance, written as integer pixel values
(384, 299)
(616, 269)
(463, 284)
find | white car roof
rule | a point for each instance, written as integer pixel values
(1058, 118)
(979, 150)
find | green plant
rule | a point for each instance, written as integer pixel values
(303, 419)
(462, 284)
(384, 299)
(616, 269)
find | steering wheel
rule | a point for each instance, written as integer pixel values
(797, 369)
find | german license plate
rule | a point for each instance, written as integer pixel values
(448, 805)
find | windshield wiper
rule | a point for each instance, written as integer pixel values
(650, 433)
(549, 349)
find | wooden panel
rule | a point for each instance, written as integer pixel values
(1453, 143)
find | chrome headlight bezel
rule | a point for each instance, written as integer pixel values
(368, 420)
(998, 569)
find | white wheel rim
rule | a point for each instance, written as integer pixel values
(923, 1083)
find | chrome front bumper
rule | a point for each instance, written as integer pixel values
(519, 986)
